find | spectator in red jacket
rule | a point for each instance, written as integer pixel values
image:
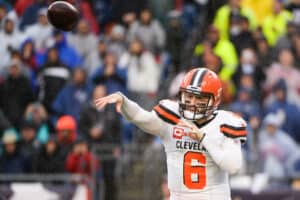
(79, 160)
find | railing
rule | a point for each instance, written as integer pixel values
(138, 175)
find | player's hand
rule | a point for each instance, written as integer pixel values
(110, 99)
(194, 132)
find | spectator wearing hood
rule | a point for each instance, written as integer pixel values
(40, 31)
(275, 146)
(36, 113)
(67, 53)
(49, 159)
(290, 111)
(12, 161)
(73, 96)
(10, 39)
(15, 93)
(28, 55)
(66, 129)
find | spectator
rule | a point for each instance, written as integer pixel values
(96, 57)
(37, 113)
(83, 40)
(276, 147)
(221, 47)
(240, 34)
(101, 128)
(274, 25)
(52, 77)
(28, 55)
(48, 159)
(117, 43)
(73, 96)
(15, 93)
(245, 104)
(224, 16)
(111, 75)
(148, 31)
(40, 31)
(12, 160)
(28, 142)
(10, 39)
(286, 40)
(285, 70)
(249, 66)
(79, 160)
(67, 54)
(264, 52)
(66, 129)
(290, 111)
(140, 64)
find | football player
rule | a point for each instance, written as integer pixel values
(202, 143)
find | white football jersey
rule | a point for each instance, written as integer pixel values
(192, 173)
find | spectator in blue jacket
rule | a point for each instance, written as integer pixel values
(73, 96)
(245, 104)
(111, 75)
(291, 112)
(67, 54)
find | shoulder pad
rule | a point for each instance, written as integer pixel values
(233, 125)
(168, 111)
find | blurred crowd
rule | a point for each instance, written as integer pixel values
(49, 78)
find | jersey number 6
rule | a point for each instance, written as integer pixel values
(194, 172)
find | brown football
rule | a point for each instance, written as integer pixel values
(63, 15)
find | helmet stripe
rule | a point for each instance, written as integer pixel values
(199, 77)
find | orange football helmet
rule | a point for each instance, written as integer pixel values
(204, 85)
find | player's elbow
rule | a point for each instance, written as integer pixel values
(234, 165)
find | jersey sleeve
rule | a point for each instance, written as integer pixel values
(234, 127)
(167, 111)
(145, 120)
